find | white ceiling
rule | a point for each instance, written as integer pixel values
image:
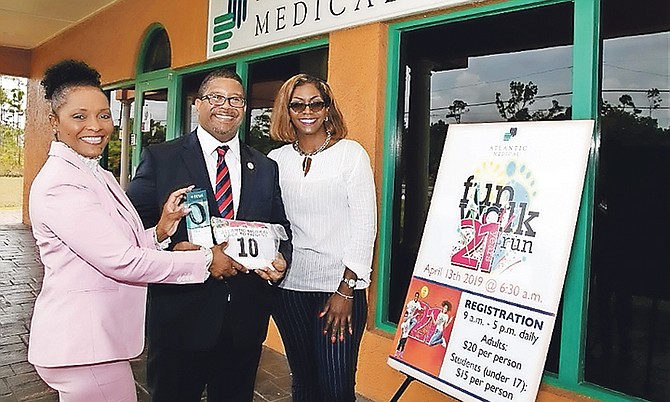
(26, 24)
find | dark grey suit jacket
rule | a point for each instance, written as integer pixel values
(190, 317)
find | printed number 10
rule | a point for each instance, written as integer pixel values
(253, 247)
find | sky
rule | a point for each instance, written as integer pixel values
(631, 65)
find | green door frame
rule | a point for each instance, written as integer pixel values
(170, 82)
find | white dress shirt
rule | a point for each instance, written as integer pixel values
(209, 144)
(333, 215)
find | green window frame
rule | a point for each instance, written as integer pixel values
(241, 64)
(585, 95)
(172, 80)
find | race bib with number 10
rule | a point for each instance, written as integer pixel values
(252, 244)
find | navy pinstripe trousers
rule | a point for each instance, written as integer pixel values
(322, 370)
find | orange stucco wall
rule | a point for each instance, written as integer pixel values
(14, 61)
(109, 41)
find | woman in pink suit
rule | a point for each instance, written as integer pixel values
(89, 317)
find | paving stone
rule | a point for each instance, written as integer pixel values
(23, 379)
(31, 391)
(6, 370)
(4, 388)
(22, 367)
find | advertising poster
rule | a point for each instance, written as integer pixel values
(482, 302)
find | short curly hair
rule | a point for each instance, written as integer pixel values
(65, 75)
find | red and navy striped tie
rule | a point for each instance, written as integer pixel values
(224, 191)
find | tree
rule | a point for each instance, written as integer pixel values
(259, 133)
(555, 112)
(654, 98)
(516, 107)
(624, 123)
(11, 134)
(457, 109)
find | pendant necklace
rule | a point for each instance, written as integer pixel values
(307, 161)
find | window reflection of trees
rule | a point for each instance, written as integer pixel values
(628, 333)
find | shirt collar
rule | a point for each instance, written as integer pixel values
(209, 144)
(92, 164)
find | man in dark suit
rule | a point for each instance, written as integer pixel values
(210, 335)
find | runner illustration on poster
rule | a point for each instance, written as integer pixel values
(417, 348)
(489, 274)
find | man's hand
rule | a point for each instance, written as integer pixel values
(276, 271)
(222, 265)
(172, 213)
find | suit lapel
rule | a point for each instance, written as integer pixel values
(248, 167)
(108, 188)
(123, 205)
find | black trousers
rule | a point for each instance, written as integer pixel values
(227, 372)
(322, 370)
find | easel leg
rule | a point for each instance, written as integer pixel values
(402, 389)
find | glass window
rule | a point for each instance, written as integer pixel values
(265, 79)
(628, 338)
(158, 52)
(490, 69)
(191, 84)
(154, 117)
(118, 153)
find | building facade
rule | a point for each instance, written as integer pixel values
(401, 76)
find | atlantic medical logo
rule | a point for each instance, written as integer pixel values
(225, 23)
(511, 133)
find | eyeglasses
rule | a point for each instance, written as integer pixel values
(299, 107)
(219, 100)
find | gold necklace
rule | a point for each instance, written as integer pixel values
(307, 161)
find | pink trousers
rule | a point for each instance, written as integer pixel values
(104, 382)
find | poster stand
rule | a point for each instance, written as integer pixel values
(483, 297)
(402, 388)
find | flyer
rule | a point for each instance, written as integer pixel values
(484, 294)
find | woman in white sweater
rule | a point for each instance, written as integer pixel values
(329, 195)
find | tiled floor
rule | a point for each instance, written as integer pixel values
(20, 281)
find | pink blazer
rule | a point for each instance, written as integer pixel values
(97, 259)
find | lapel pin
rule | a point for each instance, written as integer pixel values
(250, 165)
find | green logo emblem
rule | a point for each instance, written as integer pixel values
(223, 30)
(510, 134)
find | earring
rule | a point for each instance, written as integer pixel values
(326, 119)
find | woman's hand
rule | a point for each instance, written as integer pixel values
(172, 214)
(185, 246)
(338, 316)
(276, 272)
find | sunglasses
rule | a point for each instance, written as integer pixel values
(299, 107)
